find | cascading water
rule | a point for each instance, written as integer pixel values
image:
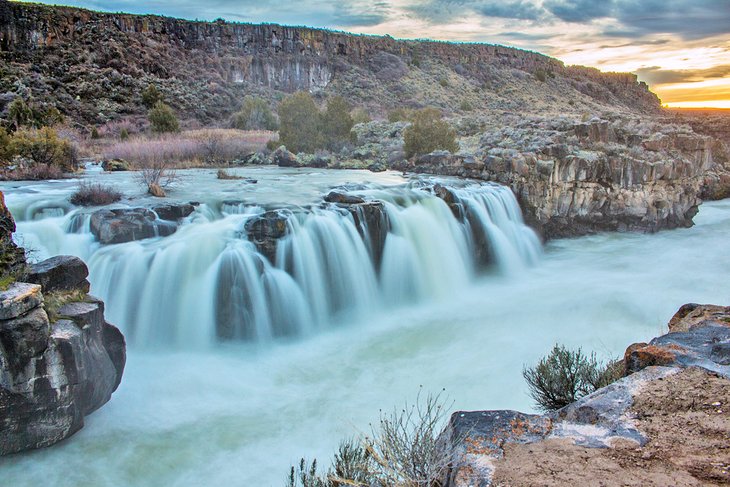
(335, 264)
(241, 415)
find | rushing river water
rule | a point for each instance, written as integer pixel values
(192, 411)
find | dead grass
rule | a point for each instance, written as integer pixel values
(192, 148)
(54, 301)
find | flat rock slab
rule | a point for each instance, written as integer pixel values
(19, 298)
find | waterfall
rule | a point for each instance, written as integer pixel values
(335, 264)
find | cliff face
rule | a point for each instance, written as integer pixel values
(204, 69)
(56, 369)
(570, 177)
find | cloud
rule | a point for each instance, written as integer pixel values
(579, 10)
(361, 15)
(446, 10)
(654, 75)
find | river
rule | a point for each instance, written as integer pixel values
(195, 410)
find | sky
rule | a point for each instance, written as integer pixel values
(681, 48)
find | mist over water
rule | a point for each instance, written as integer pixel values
(240, 413)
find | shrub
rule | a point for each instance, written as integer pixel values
(565, 376)
(400, 115)
(299, 127)
(428, 133)
(44, 146)
(123, 134)
(94, 133)
(94, 194)
(38, 172)
(163, 119)
(444, 82)
(6, 150)
(19, 113)
(465, 106)
(337, 123)
(360, 115)
(402, 451)
(151, 96)
(255, 114)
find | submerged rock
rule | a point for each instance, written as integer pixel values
(128, 224)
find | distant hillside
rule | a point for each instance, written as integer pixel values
(92, 66)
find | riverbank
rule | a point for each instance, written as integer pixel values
(240, 425)
(667, 423)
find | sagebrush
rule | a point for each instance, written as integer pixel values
(564, 376)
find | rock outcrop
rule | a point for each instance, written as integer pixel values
(499, 447)
(59, 359)
(578, 178)
(92, 66)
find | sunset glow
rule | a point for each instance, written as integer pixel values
(681, 48)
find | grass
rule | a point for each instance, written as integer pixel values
(54, 301)
(192, 148)
(6, 281)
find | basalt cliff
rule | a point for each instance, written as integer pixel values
(92, 66)
(59, 358)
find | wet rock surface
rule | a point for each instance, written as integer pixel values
(128, 224)
(265, 231)
(615, 423)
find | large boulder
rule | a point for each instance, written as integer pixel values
(128, 224)
(60, 273)
(343, 198)
(115, 165)
(284, 158)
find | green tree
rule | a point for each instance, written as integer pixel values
(428, 133)
(151, 96)
(163, 119)
(299, 123)
(19, 113)
(337, 123)
(255, 114)
(6, 149)
(44, 146)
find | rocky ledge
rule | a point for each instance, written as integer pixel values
(666, 423)
(59, 358)
(574, 178)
